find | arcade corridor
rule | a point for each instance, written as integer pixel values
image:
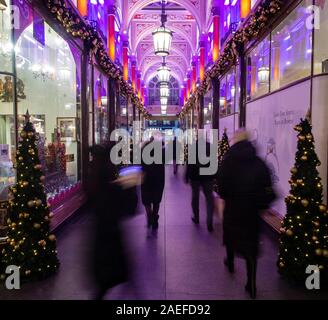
(183, 261)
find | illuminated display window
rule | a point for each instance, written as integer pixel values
(258, 70)
(320, 40)
(228, 93)
(291, 48)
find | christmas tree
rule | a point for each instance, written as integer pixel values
(304, 232)
(30, 245)
(223, 148)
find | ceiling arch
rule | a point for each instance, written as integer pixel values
(148, 28)
(153, 73)
(152, 67)
(174, 51)
(192, 6)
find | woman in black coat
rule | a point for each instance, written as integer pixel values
(109, 263)
(244, 183)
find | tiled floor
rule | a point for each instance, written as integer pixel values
(182, 261)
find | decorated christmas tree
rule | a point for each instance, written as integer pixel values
(223, 147)
(30, 245)
(304, 232)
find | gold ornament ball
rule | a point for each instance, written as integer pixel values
(21, 215)
(42, 243)
(281, 265)
(42, 178)
(304, 158)
(318, 252)
(38, 202)
(26, 215)
(3, 277)
(25, 183)
(322, 208)
(325, 253)
(23, 134)
(302, 138)
(30, 134)
(31, 151)
(314, 238)
(37, 225)
(52, 237)
(27, 272)
(317, 224)
(30, 203)
(305, 202)
(20, 158)
(309, 136)
(289, 232)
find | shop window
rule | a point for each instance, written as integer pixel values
(49, 88)
(320, 40)
(6, 44)
(100, 108)
(7, 136)
(208, 107)
(291, 49)
(228, 93)
(258, 70)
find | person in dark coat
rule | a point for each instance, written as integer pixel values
(153, 186)
(109, 262)
(205, 182)
(244, 182)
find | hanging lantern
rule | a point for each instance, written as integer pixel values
(164, 89)
(163, 73)
(162, 41)
(264, 75)
(162, 36)
(164, 101)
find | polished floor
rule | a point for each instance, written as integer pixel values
(181, 261)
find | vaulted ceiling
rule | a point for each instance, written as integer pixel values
(186, 18)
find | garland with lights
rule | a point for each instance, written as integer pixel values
(265, 13)
(223, 148)
(30, 245)
(81, 28)
(304, 231)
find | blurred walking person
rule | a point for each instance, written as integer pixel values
(199, 181)
(109, 202)
(244, 183)
(153, 183)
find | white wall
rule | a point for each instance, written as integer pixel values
(320, 125)
(271, 121)
(229, 124)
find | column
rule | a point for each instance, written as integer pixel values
(216, 103)
(82, 6)
(125, 53)
(139, 85)
(142, 93)
(111, 104)
(216, 33)
(133, 75)
(202, 52)
(111, 32)
(242, 84)
(188, 86)
(194, 74)
(245, 8)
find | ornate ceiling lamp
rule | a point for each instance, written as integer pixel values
(163, 73)
(162, 36)
(164, 89)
